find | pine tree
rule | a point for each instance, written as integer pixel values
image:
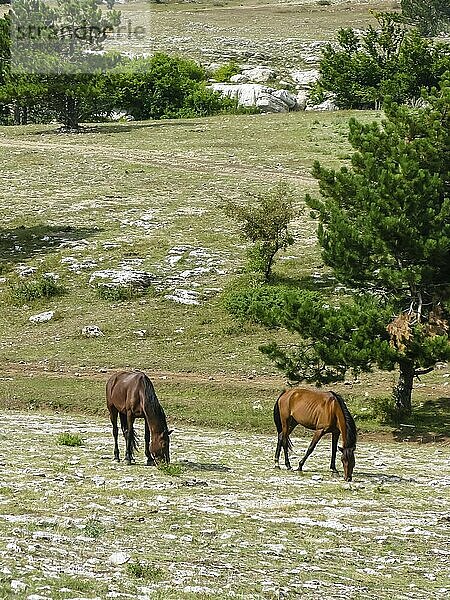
(384, 229)
(429, 16)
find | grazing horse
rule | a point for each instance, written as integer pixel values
(323, 412)
(131, 395)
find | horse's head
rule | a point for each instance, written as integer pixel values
(159, 447)
(348, 462)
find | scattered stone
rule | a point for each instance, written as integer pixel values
(92, 331)
(18, 586)
(305, 78)
(239, 78)
(26, 271)
(323, 106)
(42, 317)
(259, 74)
(183, 296)
(119, 558)
(123, 277)
(140, 333)
(253, 94)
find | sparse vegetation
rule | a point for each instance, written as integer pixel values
(70, 439)
(22, 292)
(145, 571)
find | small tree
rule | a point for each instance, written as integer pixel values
(265, 222)
(429, 16)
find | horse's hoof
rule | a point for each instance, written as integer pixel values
(151, 463)
(335, 473)
(277, 466)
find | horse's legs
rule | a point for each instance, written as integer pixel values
(150, 460)
(113, 416)
(316, 437)
(278, 450)
(129, 439)
(334, 444)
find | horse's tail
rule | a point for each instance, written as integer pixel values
(349, 421)
(277, 420)
(134, 436)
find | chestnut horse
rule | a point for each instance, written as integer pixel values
(323, 412)
(131, 395)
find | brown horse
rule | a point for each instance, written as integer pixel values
(131, 395)
(323, 412)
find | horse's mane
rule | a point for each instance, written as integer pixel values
(154, 404)
(349, 422)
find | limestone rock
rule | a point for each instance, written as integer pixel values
(259, 74)
(42, 317)
(92, 331)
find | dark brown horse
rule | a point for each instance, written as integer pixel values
(323, 412)
(131, 396)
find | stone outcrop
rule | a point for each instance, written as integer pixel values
(249, 90)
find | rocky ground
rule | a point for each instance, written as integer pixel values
(221, 522)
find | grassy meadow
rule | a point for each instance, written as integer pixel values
(219, 522)
(147, 196)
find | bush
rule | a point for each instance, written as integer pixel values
(388, 61)
(163, 87)
(22, 292)
(119, 293)
(70, 439)
(265, 222)
(145, 571)
(225, 72)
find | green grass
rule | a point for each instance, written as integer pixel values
(130, 194)
(69, 439)
(236, 404)
(29, 291)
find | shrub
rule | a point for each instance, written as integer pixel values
(94, 528)
(44, 286)
(265, 222)
(118, 293)
(226, 71)
(70, 439)
(145, 571)
(172, 470)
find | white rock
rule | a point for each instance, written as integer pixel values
(286, 97)
(18, 586)
(116, 277)
(119, 558)
(239, 78)
(26, 271)
(92, 331)
(302, 99)
(326, 105)
(183, 296)
(272, 104)
(42, 317)
(259, 74)
(245, 93)
(305, 78)
(140, 333)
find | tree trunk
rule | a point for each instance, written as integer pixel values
(403, 389)
(71, 113)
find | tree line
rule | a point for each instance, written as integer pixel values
(53, 70)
